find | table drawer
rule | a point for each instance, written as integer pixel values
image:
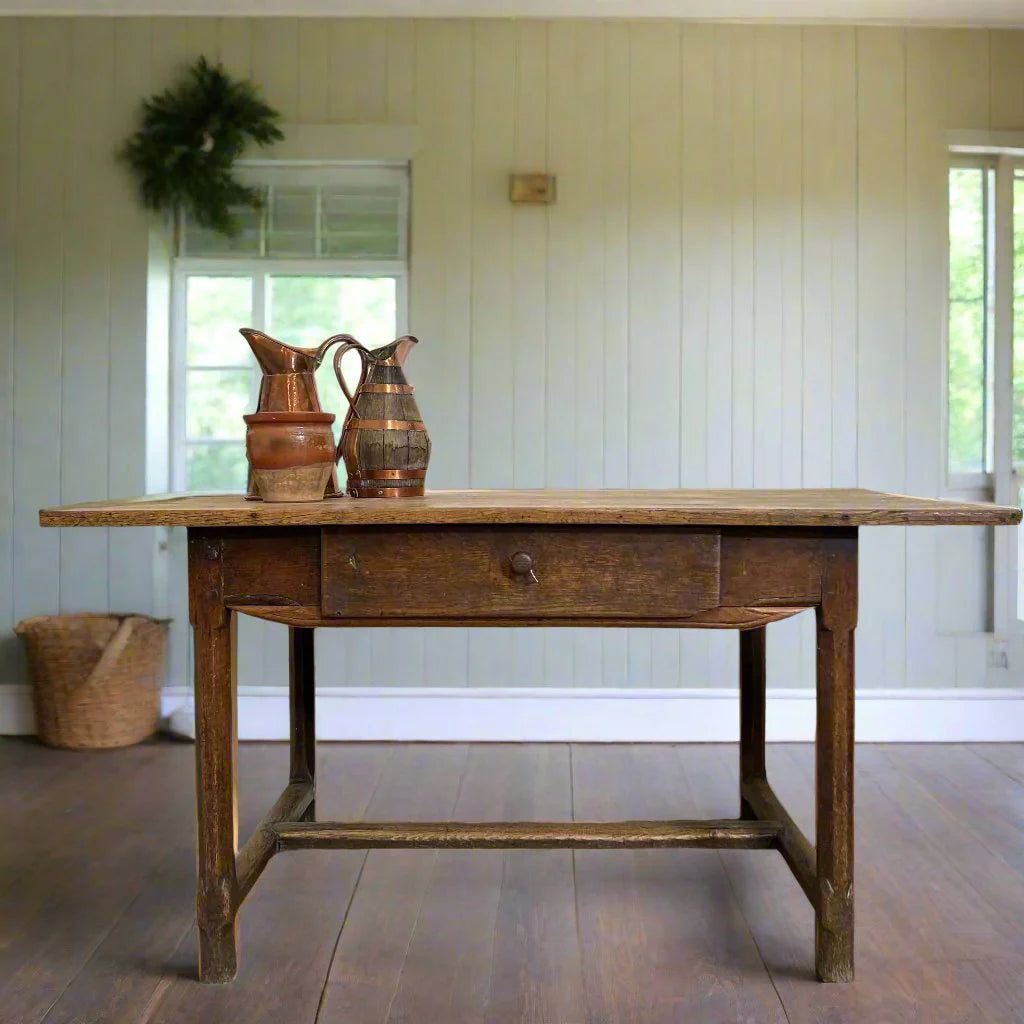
(519, 571)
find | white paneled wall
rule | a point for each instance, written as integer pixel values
(741, 284)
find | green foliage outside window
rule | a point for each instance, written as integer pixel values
(221, 379)
(968, 319)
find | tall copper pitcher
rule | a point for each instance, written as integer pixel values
(383, 440)
(288, 384)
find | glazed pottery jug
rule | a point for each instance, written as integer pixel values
(383, 440)
(288, 384)
(291, 454)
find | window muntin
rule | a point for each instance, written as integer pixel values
(326, 254)
(970, 335)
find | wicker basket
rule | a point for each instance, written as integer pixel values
(96, 678)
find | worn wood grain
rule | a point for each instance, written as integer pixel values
(661, 938)
(214, 627)
(534, 835)
(939, 902)
(740, 618)
(536, 974)
(290, 922)
(729, 507)
(836, 621)
(371, 950)
(516, 571)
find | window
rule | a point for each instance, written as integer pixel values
(327, 253)
(985, 378)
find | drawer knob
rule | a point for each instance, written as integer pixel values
(522, 565)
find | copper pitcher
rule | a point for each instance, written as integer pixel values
(288, 384)
(383, 440)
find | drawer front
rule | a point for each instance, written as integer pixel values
(519, 571)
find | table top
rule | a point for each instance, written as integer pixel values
(836, 507)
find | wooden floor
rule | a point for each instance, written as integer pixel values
(96, 892)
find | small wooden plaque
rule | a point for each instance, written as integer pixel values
(538, 189)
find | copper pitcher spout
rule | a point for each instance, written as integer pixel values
(395, 353)
(276, 357)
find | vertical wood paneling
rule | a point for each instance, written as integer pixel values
(275, 63)
(10, 74)
(881, 339)
(615, 304)
(234, 37)
(720, 296)
(770, 214)
(130, 551)
(741, 282)
(929, 75)
(654, 274)
(561, 440)
(203, 37)
(401, 71)
(314, 47)
(38, 324)
(1006, 79)
(359, 71)
(584, 174)
(818, 260)
(698, 213)
(492, 367)
(742, 292)
(531, 227)
(442, 232)
(844, 262)
(85, 364)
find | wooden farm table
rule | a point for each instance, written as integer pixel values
(705, 559)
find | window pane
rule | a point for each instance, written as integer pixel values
(1018, 323)
(362, 222)
(197, 241)
(293, 221)
(216, 308)
(215, 401)
(969, 269)
(216, 467)
(304, 310)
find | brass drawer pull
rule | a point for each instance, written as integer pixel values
(522, 565)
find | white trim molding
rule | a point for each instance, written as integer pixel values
(987, 13)
(595, 715)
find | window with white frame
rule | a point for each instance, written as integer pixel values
(985, 365)
(327, 253)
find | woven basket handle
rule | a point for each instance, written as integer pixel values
(115, 647)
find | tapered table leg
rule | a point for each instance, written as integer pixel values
(302, 712)
(752, 710)
(836, 622)
(216, 761)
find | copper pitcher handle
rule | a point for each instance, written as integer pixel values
(348, 343)
(321, 349)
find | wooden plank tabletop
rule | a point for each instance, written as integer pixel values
(832, 507)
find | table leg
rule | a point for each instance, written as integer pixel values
(752, 711)
(836, 623)
(302, 710)
(216, 762)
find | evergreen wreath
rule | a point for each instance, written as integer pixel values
(190, 138)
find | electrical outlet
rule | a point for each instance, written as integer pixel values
(998, 654)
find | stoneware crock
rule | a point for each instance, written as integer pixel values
(292, 454)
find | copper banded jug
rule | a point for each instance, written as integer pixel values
(384, 442)
(288, 384)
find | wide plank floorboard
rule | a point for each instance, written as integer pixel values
(97, 918)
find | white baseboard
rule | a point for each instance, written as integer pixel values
(589, 715)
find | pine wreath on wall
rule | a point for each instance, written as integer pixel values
(191, 135)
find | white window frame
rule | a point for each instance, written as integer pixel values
(1002, 482)
(979, 483)
(258, 269)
